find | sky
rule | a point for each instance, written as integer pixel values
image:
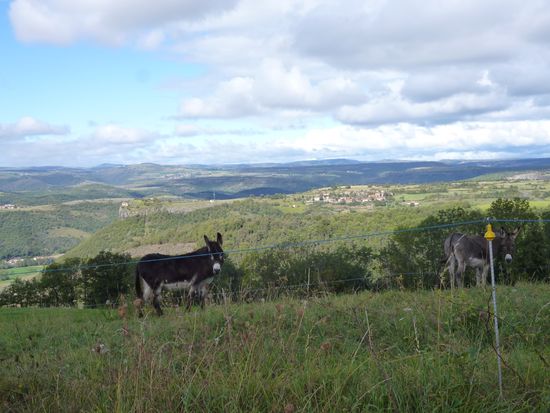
(86, 82)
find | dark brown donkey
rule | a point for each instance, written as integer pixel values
(192, 271)
(463, 251)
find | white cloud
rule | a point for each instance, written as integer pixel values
(407, 141)
(29, 126)
(412, 33)
(460, 140)
(117, 135)
(273, 87)
(151, 40)
(395, 109)
(116, 22)
(233, 98)
(464, 140)
(189, 130)
(457, 61)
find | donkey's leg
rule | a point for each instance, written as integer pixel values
(202, 297)
(478, 276)
(156, 301)
(156, 304)
(147, 296)
(190, 299)
(451, 265)
(484, 275)
(460, 274)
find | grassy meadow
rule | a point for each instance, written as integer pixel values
(393, 351)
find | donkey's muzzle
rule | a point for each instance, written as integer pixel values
(508, 258)
(216, 268)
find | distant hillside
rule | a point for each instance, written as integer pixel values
(51, 230)
(33, 186)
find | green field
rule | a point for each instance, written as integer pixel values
(24, 273)
(393, 351)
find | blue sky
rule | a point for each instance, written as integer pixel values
(216, 81)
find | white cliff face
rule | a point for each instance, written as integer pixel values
(142, 207)
(123, 211)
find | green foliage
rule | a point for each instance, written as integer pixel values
(413, 257)
(23, 293)
(90, 282)
(532, 260)
(60, 283)
(105, 277)
(339, 269)
(510, 209)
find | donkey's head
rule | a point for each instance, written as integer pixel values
(508, 243)
(216, 253)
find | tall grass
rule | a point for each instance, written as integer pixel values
(392, 351)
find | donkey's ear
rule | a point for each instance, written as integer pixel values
(515, 233)
(207, 241)
(502, 232)
(220, 239)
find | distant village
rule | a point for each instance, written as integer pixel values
(351, 196)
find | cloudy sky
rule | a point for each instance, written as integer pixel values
(84, 82)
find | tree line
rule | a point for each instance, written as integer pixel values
(89, 282)
(411, 257)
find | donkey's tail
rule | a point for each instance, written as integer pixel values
(139, 291)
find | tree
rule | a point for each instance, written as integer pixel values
(229, 281)
(61, 282)
(341, 268)
(413, 257)
(511, 209)
(23, 293)
(531, 258)
(105, 277)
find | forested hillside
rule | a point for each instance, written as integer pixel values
(246, 224)
(51, 229)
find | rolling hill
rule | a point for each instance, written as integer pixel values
(33, 186)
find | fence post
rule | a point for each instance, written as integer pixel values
(490, 236)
